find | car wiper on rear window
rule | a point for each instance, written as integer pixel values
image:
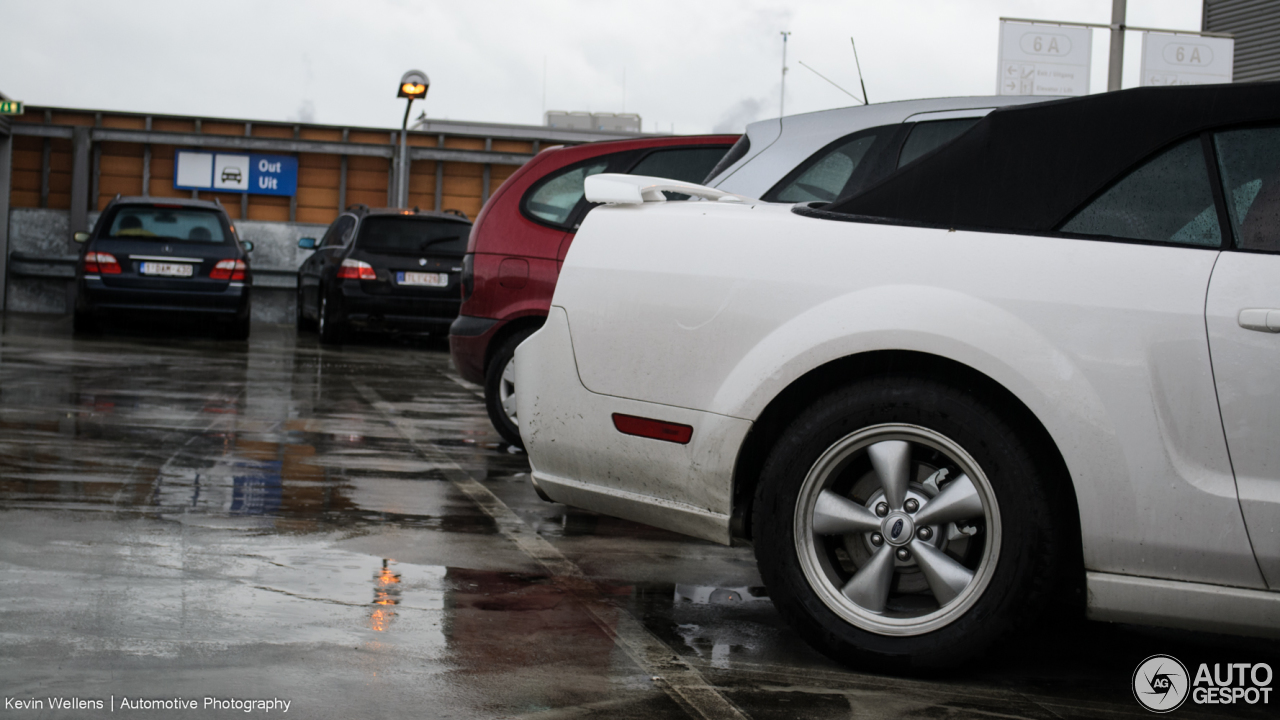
(428, 243)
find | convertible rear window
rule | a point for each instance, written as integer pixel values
(1166, 199)
(159, 223)
(410, 235)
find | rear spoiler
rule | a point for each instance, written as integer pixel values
(617, 189)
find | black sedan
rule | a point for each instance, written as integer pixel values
(383, 269)
(171, 256)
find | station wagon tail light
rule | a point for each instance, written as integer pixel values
(102, 263)
(228, 270)
(468, 276)
(656, 429)
(356, 270)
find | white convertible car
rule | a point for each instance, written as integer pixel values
(1041, 360)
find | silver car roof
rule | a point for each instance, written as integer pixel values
(780, 144)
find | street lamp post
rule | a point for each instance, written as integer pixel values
(413, 86)
(782, 96)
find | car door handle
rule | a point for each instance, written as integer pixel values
(1261, 319)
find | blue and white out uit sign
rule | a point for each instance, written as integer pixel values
(232, 172)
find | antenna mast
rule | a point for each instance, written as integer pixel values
(859, 65)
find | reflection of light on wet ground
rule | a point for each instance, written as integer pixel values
(386, 591)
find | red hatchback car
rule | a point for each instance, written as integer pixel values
(520, 239)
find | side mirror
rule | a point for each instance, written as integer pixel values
(248, 245)
(80, 237)
(307, 243)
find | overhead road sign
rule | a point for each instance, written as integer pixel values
(1044, 59)
(236, 172)
(1186, 59)
(11, 107)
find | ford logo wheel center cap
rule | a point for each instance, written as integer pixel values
(898, 529)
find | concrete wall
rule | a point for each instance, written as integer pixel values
(42, 262)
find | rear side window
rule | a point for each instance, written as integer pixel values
(827, 175)
(182, 224)
(339, 232)
(926, 137)
(1167, 199)
(1249, 161)
(555, 197)
(684, 164)
(413, 236)
(736, 153)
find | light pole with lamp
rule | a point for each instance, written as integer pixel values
(413, 86)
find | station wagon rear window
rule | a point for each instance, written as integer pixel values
(158, 223)
(392, 234)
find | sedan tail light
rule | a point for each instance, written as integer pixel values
(356, 270)
(102, 263)
(228, 270)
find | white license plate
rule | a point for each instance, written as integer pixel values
(427, 279)
(169, 269)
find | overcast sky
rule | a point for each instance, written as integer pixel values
(691, 65)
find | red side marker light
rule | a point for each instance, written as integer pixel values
(656, 429)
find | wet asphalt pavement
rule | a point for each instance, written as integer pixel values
(188, 518)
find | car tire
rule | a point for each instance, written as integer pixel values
(331, 326)
(991, 559)
(499, 388)
(84, 323)
(304, 324)
(238, 329)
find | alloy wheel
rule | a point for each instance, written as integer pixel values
(507, 391)
(897, 529)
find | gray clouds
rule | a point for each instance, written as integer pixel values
(697, 64)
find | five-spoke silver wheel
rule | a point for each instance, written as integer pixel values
(897, 529)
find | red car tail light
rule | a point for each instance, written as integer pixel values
(228, 270)
(656, 429)
(468, 283)
(102, 263)
(356, 270)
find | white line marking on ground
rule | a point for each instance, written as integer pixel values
(681, 681)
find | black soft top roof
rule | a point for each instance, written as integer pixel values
(1027, 167)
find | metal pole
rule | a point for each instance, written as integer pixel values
(402, 177)
(1116, 64)
(80, 171)
(6, 169)
(440, 175)
(782, 100)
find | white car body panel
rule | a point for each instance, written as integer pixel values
(685, 488)
(1246, 366)
(778, 145)
(1104, 342)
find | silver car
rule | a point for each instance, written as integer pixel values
(820, 156)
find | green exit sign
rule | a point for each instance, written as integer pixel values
(10, 107)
